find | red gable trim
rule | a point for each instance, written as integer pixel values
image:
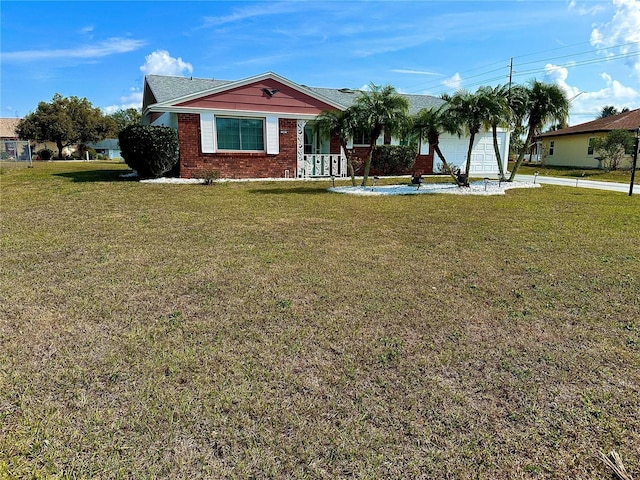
(266, 95)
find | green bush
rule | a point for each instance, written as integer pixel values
(393, 159)
(149, 150)
(46, 154)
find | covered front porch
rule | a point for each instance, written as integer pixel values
(313, 154)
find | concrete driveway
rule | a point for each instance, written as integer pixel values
(580, 182)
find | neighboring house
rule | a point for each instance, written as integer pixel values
(11, 147)
(109, 147)
(573, 146)
(8, 128)
(263, 127)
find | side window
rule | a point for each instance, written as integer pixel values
(552, 145)
(590, 147)
(361, 137)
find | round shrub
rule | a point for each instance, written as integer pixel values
(45, 154)
(393, 159)
(149, 150)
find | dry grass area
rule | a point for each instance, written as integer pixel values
(274, 330)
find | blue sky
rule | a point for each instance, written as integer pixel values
(102, 50)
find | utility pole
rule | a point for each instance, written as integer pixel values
(635, 162)
(510, 76)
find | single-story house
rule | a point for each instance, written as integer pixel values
(109, 147)
(11, 147)
(8, 132)
(263, 127)
(573, 146)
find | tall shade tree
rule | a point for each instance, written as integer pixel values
(545, 103)
(429, 124)
(469, 111)
(66, 121)
(497, 114)
(125, 117)
(377, 110)
(340, 124)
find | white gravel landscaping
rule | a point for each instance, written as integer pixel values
(492, 187)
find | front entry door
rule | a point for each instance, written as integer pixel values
(316, 151)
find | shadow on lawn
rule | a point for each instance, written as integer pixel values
(289, 190)
(94, 176)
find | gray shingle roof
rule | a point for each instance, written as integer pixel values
(166, 89)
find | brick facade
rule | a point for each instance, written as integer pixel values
(195, 164)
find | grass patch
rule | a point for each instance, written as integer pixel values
(620, 176)
(248, 331)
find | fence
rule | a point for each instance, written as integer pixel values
(15, 151)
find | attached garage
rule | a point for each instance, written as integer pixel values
(483, 157)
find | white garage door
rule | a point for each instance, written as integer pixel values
(483, 158)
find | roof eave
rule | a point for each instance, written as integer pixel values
(240, 83)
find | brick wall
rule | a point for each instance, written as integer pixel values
(195, 164)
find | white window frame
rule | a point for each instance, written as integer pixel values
(209, 137)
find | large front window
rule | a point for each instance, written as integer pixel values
(240, 133)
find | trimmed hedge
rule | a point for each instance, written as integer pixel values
(393, 159)
(149, 150)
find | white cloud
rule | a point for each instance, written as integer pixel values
(414, 72)
(621, 32)
(558, 75)
(585, 106)
(453, 82)
(161, 63)
(581, 10)
(245, 13)
(132, 100)
(110, 46)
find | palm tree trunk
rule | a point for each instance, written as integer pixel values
(436, 149)
(496, 149)
(367, 166)
(352, 171)
(468, 164)
(521, 155)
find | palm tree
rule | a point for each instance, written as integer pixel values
(429, 123)
(469, 110)
(336, 123)
(380, 109)
(545, 103)
(498, 114)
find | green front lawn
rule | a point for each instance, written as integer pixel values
(621, 176)
(274, 330)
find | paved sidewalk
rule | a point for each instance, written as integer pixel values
(580, 182)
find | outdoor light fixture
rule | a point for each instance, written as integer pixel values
(535, 176)
(375, 180)
(486, 181)
(333, 181)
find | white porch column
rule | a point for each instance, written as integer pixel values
(300, 168)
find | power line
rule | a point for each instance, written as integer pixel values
(435, 84)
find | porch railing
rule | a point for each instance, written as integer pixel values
(322, 165)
